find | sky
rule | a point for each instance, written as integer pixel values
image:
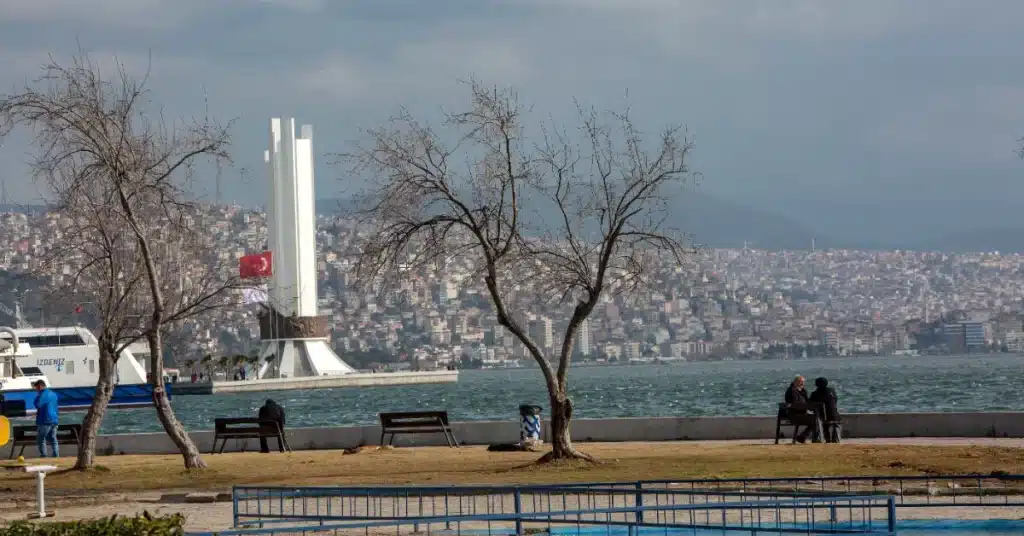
(861, 118)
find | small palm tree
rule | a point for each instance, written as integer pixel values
(224, 364)
(207, 362)
(190, 365)
(254, 362)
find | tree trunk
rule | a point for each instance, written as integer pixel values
(164, 411)
(97, 410)
(561, 439)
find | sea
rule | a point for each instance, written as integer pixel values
(725, 388)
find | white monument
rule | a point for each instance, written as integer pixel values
(291, 330)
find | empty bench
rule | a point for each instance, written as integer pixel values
(794, 415)
(24, 436)
(416, 422)
(246, 428)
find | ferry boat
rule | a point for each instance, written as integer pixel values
(67, 359)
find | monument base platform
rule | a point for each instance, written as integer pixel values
(300, 358)
(359, 379)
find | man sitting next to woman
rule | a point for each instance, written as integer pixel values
(822, 407)
(826, 405)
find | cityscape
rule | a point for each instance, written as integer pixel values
(737, 303)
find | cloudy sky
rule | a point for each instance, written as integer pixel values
(858, 117)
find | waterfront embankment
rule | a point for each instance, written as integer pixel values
(856, 425)
(384, 379)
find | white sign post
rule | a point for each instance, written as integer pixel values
(40, 471)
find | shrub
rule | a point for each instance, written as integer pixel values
(143, 525)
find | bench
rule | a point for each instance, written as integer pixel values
(24, 436)
(246, 428)
(416, 422)
(828, 431)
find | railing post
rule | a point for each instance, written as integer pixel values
(518, 500)
(892, 514)
(638, 503)
(234, 504)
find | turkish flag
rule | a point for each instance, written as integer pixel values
(255, 266)
(78, 309)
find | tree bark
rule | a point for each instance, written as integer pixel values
(164, 411)
(98, 409)
(561, 440)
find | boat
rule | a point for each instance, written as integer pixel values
(67, 360)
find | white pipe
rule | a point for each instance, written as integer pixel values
(14, 337)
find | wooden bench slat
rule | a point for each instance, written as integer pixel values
(226, 428)
(785, 418)
(24, 436)
(416, 422)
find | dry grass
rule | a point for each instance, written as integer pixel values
(621, 462)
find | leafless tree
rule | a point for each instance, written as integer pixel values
(119, 174)
(574, 217)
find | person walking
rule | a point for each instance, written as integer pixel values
(46, 419)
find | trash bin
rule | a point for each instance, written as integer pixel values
(530, 427)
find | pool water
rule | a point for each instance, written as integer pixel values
(957, 527)
(908, 527)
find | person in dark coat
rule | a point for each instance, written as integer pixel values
(271, 411)
(796, 394)
(827, 403)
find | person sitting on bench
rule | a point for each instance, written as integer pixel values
(271, 411)
(796, 394)
(827, 404)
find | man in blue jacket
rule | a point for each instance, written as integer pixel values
(46, 419)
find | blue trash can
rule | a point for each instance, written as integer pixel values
(530, 422)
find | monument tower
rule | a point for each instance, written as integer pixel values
(293, 334)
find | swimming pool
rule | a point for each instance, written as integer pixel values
(959, 527)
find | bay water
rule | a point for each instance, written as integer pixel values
(726, 388)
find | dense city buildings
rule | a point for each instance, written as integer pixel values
(727, 303)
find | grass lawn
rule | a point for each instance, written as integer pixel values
(474, 465)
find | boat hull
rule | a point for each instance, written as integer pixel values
(80, 398)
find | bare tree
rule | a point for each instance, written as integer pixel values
(95, 264)
(576, 218)
(120, 174)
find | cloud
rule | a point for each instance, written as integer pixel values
(787, 98)
(432, 67)
(337, 77)
(103, 13)
(308, 6)
(978, 126)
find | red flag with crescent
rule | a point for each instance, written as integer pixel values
(255, 266)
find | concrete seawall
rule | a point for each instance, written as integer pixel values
(857, 425)
(316, 382)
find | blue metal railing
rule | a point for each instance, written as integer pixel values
(634, 505)
(805, 515)
(269, 504)
(910, 491)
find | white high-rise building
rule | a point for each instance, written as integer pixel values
(583, 338)
(541, 332)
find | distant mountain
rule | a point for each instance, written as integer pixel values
(715, 222)
(712, 222)
(1001, 239)
(27, 209)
